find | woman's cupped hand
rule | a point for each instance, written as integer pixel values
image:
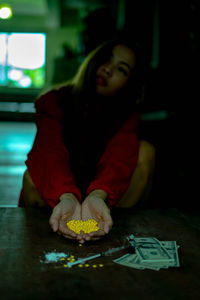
(69, 208)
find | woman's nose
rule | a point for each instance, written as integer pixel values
(107, 69)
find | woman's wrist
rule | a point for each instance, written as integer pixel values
(99, 193)
(67, 196)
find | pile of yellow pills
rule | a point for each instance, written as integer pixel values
(86, 226)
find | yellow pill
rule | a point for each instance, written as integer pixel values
(94, 266)
(87, 265)
(65, 266)
(80, 245)
(80, 265)
(86, 226)
(100, 265)
(68, 258)
(62, 258)
(72, 256)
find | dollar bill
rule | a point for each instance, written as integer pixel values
(129, 260)
(172, 248)
(151, 254)
(149, 249)
(132, 261)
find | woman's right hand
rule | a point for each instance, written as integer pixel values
(67, 209)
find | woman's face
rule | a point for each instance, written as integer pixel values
(114, 74)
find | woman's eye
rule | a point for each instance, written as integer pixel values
(121, 69)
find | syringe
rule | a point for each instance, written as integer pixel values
(83, 260)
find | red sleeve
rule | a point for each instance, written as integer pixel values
(117, 164)
(48, 160)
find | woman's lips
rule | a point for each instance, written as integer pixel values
(101, 80)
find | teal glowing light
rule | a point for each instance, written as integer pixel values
(17, 146)
(16, 137)
(12, 170)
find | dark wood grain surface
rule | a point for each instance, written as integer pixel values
(25, 237)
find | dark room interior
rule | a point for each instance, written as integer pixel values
(71, 29)
(42, 44)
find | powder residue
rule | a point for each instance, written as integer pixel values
(54, 256)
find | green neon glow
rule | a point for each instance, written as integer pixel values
(5, 11)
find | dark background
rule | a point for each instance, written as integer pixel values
(170, 34)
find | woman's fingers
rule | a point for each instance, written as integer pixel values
(108, 223)
(80, 239)
(93, 238)
(98, 233)
(68, 237)
(54, 220)
(81, 236)
(66, 231)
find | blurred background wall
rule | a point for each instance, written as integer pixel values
(68, 30)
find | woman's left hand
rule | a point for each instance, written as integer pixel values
(95, 208)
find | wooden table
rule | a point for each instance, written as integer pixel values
(25, 237)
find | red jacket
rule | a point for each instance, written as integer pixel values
(48, 160)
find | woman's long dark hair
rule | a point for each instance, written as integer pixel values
(90, 120)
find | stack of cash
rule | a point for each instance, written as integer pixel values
(150, 253)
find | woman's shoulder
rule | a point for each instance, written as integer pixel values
(50, 102)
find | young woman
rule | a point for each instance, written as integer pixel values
(86, 157)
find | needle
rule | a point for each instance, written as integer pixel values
(82, 260)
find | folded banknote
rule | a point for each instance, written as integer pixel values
(150, 253)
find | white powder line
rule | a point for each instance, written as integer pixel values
(53, 256)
